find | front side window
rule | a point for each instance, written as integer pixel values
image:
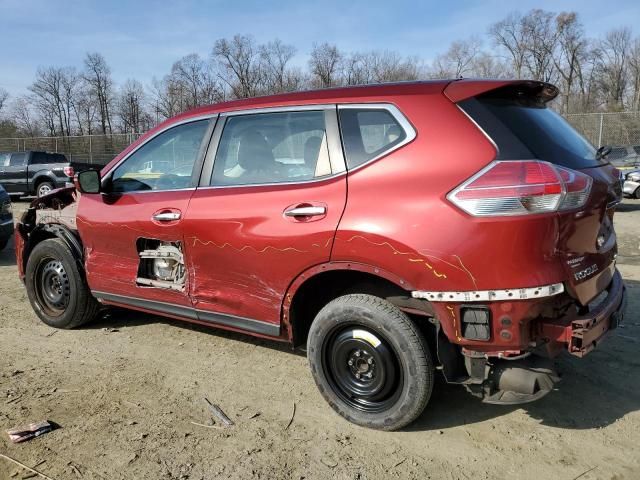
(272, 148)
(164, 163)
(18, 159)
(4, 159)
(368, 133)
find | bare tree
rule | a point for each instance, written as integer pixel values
(21, 112)
(279, 77)
(634, 72)
(485, 65)
(511, 35)
(97, 74)
(54, 92)
(458, 60)
(325, 65)
(614, 51)
(239, 61)
(4, 95)
(195, 80)
(130, 107)
(541, 40)
(570, 56)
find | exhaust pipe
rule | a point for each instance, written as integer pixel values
(519, 381)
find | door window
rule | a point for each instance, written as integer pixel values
(368, 133)
(4, 159)
(272, 148)
(18, 160)
(163, 163)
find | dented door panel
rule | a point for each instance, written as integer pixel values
(243, 251)
(115, 229)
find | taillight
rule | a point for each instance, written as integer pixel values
(519, 187)
(68, 171)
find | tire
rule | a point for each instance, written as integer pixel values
(3, 243)
(357, 336)
(44, 188)
(636, 194)
(56, 288)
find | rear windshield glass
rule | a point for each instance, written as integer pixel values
(542, 131)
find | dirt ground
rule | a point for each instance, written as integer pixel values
(128, 393)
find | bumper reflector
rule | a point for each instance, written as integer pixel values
(491, 295)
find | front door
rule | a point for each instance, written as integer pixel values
(268, 205)
(133, 231)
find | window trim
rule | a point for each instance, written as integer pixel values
(334, 144)
(197, 166)
(403, 121)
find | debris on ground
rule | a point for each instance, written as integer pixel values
(217, 411)
(293, 414)
(27, 432)
(22, 465)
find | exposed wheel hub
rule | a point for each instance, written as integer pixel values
(362, 364)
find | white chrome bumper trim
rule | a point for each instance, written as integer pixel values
(491, 295)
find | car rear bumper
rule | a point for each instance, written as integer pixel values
(580, 334)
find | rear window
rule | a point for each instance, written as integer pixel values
(530, 130)
(368, 133)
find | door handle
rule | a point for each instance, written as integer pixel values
(166, 216)
(310, 211)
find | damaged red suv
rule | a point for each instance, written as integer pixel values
(393, 229)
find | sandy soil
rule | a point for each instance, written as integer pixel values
(128, 392)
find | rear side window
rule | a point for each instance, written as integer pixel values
(40, 158)
(4, 159)
(524, 130)
(368, 133)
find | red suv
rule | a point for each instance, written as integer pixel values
(394, 229)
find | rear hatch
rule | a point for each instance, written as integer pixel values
(517, 118)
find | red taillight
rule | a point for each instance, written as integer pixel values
(68, 171)
(520, 187)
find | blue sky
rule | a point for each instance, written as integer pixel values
(142, 39)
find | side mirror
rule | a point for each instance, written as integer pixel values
(88, 181)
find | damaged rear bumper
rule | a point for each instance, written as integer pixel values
(580, 334)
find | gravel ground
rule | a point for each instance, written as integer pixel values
(128, 392)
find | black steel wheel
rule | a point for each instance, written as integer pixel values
(52, 286)
(370, 362)
(56, 286)
(362, 368)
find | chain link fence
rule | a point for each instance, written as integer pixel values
(93, 149)
(615, 129)
(620, 130)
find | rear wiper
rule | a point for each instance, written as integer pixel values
(602, 152)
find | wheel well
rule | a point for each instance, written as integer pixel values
(320, 289)
(38, 180)
(47, 231)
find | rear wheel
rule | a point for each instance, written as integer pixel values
(636, 194)
(44, 188)
(370, 362)
(57, 290)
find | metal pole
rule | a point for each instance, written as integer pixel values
(56, 144)
(600, 133)
(90, 151)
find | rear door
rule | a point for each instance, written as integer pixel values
(14, 178)
(133, 231)
(267, 208)
(521, 124)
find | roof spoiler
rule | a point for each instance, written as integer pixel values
(540, 92)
